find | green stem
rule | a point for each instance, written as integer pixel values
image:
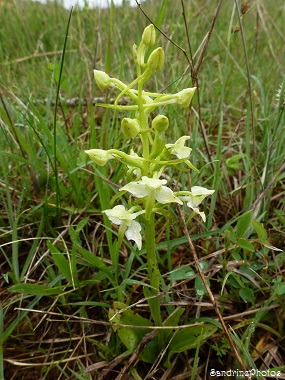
(152, 265)
(154, 275)
(143, 120)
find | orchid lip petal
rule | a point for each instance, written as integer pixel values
(165, 195)
(201, 213)
(133, 233)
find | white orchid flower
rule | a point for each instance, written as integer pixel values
(125, 218)
(152, 187)
(195, 197)
(184, 97)
(179, 149)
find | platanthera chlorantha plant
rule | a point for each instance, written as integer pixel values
(148, 192)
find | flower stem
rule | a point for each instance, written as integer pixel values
(154, 275)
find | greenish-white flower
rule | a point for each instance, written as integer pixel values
(130, 127)
(102, 79)
(179, 149)
(155, 61)
(149, 36)
(120, 216)
(99, 156)
(160, 123)
(195, 197)
(153, 188)
(184, 97)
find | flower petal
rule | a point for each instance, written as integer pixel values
(153, 183)
(119, 215)
(198, 194)
(116, 214)
(133, 233)
(138, 189)
(165, 195)
(201, 213)
(179, 149)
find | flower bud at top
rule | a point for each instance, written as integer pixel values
(184, 97)
(148, 37)
(160, 123)
(130, 128)
(155, 61)
(99, 156)
(102, 79)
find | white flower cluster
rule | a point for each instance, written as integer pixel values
(154, 189)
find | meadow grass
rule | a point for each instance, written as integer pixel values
(57, 281)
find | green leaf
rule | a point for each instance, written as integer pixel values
(207, 320)
(246, 245)
(236, 256)
(150, 353)
(233, 164)
(246, 295)
(279, 287)
(279, 216)
(259, 229)
(152, 302)
(243, 223)
(60, 261)
(235, 280)
(82, 224)
(200, 287)
(35, 290)
(232, 234)
(181, 274)
(204, 264)
(172, 320)
(130, 337)
(188, 338)
(93, 260)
